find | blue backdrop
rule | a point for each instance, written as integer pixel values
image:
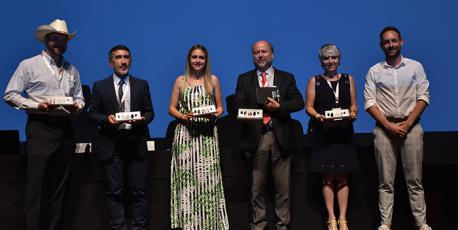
(160, 33)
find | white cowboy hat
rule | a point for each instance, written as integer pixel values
(56, 26)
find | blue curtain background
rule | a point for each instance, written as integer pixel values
(160, 33)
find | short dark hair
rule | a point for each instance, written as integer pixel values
(117, 47)
(389, 28)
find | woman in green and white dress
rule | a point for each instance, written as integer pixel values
(197, 195)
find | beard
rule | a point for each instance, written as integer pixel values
(60, 49)
(57, 49)
(263, 64)
(393, 52)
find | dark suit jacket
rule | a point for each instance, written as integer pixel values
(104, 103)
(290, 101)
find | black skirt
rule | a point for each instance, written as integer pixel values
(333, 148)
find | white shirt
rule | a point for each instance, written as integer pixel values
(125, 90)
(37, 78)
(395, 90)
(269, 77)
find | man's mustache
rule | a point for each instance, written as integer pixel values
(59, 47)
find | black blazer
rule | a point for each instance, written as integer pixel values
(290, 101)
(104, 103)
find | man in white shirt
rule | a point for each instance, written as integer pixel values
(396, 93)
(50, 142)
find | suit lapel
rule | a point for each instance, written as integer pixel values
(254, 80)
(254, 85)
(133, 89)
(109, 84)
(277, 78)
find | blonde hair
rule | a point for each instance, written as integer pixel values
(328, 50)
(208, 86)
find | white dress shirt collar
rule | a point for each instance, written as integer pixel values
(269, 72)
(269, 76)
(387, 66)
(50, 60)
(117, 79)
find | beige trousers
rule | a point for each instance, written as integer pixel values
(410, 148)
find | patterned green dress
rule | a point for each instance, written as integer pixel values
(197, 195)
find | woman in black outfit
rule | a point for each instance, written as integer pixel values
(333, 151)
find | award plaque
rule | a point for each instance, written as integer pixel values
(54, 100)
(128, 116)
(199, 111)
(250, 114)
(336, 114)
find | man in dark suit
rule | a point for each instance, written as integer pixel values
(121, 146)
(271, 140)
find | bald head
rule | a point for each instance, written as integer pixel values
(263, 42)
(263, 55)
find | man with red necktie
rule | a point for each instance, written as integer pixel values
(270, 141)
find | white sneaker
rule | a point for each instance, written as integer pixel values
(385, 227)
(425, 227)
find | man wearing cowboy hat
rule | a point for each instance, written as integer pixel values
(50, 143)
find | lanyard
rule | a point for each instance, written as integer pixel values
(58, 75)
(336, 92)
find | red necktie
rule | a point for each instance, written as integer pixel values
(264, 83)
(263, 79)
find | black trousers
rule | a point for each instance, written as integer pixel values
(50, 146)
(126, 169)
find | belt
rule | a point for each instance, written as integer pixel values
(266, 128)
(396, 119)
